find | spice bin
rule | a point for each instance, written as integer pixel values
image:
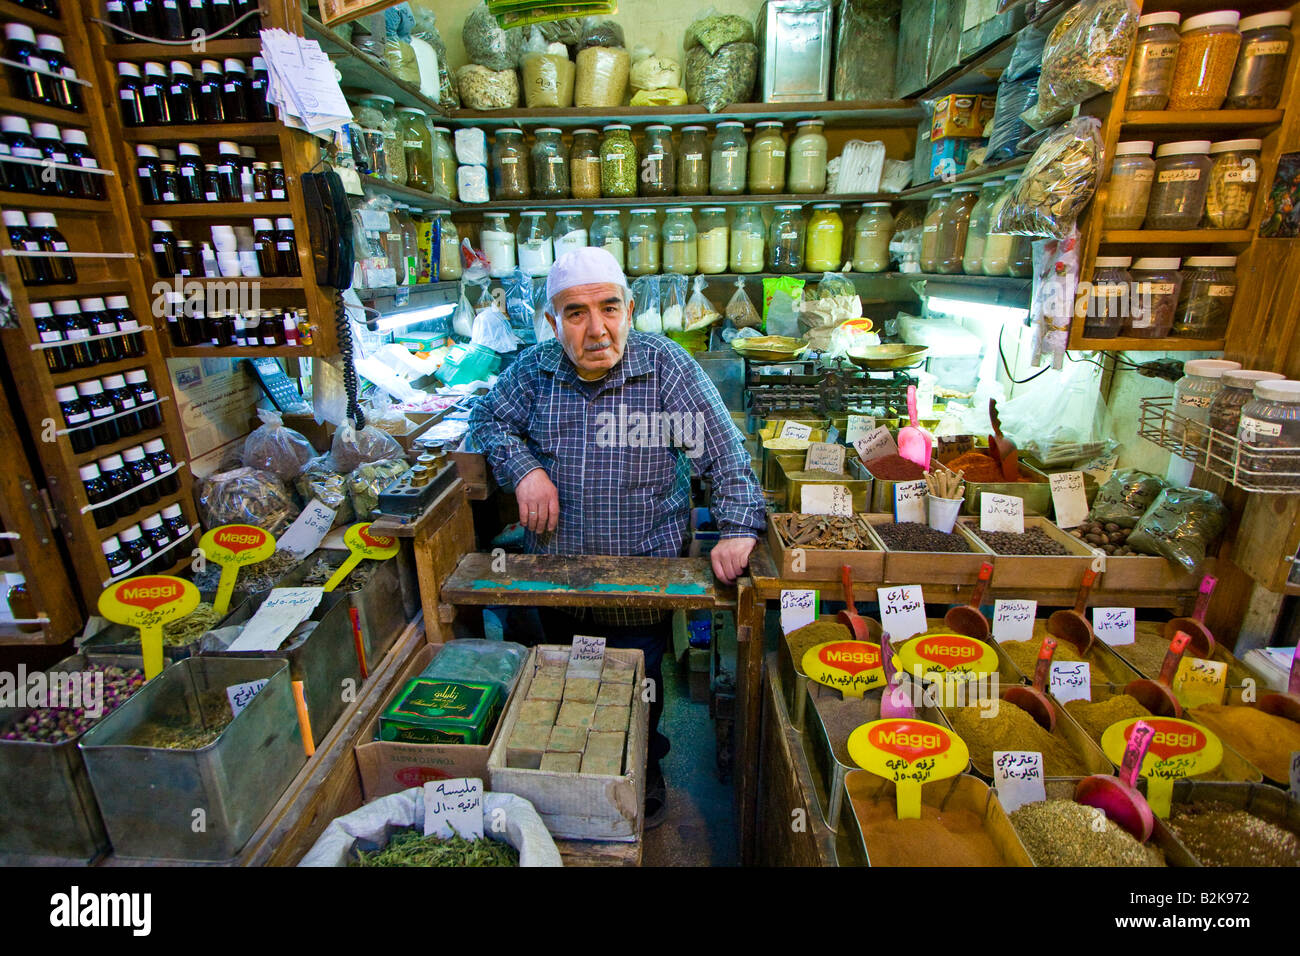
(1152, 311)
(1129, 188)
(122, 639)
(904, 566)
(1182, 178)
(1036, 494)
(1234, 178)
(1260, 800)
(823, 564)
(1046, 571)
(830, 718)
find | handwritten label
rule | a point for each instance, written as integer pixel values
(798, 608)
(1115, 626)
(1068, 499)
(454, 808)
(1018, 778)
(1002, 513)
(823, 456)
(876, 444)
(308, 529)
(902, 611)
(1200, 682)
(1179, 748)
(148, 603)
(860, 426)
(793, 429)
(1100, 469)
(1070, 680)
(1014, 620)
(826, 500)
(240, 694)
(586, 656)
(910, 753)
(909, 501)
(281, 611)
(850, 667)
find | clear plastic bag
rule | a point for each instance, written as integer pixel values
(1124, 497)
(246, 496)
(712, 31)
(672, 301)
(487, 44)
(716, 81)
(740, 309)
(492, 330)
(1027, 54)
(273, 447)
(1014, 97)
(645, 296)
(1084, 55)
(399, 57)
(604, 33)
(319, 479)
(866, 42)
(1058, 417)
(601, 77)
(1182, 525)
(670, 96)
(653, 72)
(1051, 308)
(441, 87)
(548, 78)
(700, 313)
(353, 447)
(475, 659)
(1058, 181)
(368, 480)
(485, 89)
(520, 307)
(567, 30)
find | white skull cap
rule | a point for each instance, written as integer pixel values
(585, 266)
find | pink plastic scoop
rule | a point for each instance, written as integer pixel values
(1118, 797)
(1157, 695)
(895, 701)
(914, 444)
(1286, 705)
(1194, 627)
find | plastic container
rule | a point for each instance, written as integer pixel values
(824, 245)
(1271, 420)
(748, 240)
(1237, 391)
(1260, 70)
(1158, 283)
(930, 231)
(786, 240)
(712, 240)
(954, 224)
(618, 172)
(1182, 176)
(417, 147)
(871, 235)
(1205, 302)
(1207, 52)
(378, 117)
(1108, 297)
(584, 164)
(808, 156)
(550, 165)
(728, 159)
(1129, 188)
(1155, 53)
(642, 243)
(658, 167)
(693, 162)
(679, 235)
(767, 156)
(444, 163)
(607, 233)
(533, 242)
(1234, 179)
(498, 244)
(1195, 392)
(509, 164)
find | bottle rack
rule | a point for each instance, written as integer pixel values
(107, 263)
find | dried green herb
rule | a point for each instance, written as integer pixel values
(412, 848)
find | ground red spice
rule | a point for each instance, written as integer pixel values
(895, 468)
(979, 467)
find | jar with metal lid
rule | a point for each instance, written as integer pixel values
(1107, 300)
(712, 239)
(972, 257)
(378, 117)
(1271, 420)
(618, 173)
(1155, 53)
(584, 164)
(509, 165)
(533, 241)
(1234, 178)
(1260, 70)
(1237, 391)
(607, 233)
(444, 163)
(680, 238)
(953, 228)
(1182, 176)
(550, 165)
(824, 245)
(448, 236)
(658, 175)
(642, 243)
(930, 230)
(569, 232)
(1205, 302)
(729, 159)
(871, 235)
(748, 239)
(693, 162)
(1129, 188)
(786, 240)
(417, 145)
(1157, 283)
(498, 244)
(767, 159)
(1207, 52)
(808, 158)
(999, 246)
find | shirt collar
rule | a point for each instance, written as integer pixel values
(636, 361)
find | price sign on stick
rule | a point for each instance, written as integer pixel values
(308, 529)
(1014, 620)
(848, 666)
(234, 546)
(935, 656)
(798, 608)
(1018, 778)
(909, 501)
(363, 545)
(1115, 626)
(1068, 499)
(148, 603)
(910, 753)
(1200, 681)
(1179, 748)
(876, 444)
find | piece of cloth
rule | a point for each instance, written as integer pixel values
(585, 266)
(619, 450)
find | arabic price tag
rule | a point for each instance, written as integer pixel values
(798, 608)
(1115, 626)
(1179, 748)
(1002, 513)
(1070, 680)
(910, 753)
(1018, 778)
(1014, 620)
(454, 808)
(902, 611)
(1069, 499)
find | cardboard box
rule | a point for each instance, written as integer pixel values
(948, 156)
(957, 116)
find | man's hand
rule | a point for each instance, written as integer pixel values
(731, 557)
(539, 502)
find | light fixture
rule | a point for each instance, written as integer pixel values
(402, 319)
(978, 310)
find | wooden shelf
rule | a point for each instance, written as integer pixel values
(242, 133)
(363, 72)
(667, 202)
(217, 210)
(40, 203)
(1128, 344)
(1200, 119)
(213, 351)
(1169, 237)
(855, 113)
(965, 179)
(99, 370)
(79, 290)
(373, 185)
(136, 516)
(39, 111)
(119, 446)
(38, 21)
(265, 283)
(212, 50)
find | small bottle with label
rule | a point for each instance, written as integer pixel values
(276, 181)
(290, 330)
(119, 313)
(64, 84)
(155, 535)
(46, 230)
(196, 17)
(187, 259)
(221, 14)
(182, 88)
(189, 171)
(24, 173)
(166, 257)
(261, 182)
(119, 15)
(104, 427)
(20, 47)
(272, 328)
(130, 95)
(208, 94)
(50, 330)
(55, 181)
(115, 556)
(147, 169)
(153, 94)
(76, 330)
(88, 185)
(76, 415)
(174, 520)
(259, 110)
(286, 247)
(161, 460)
(124, 404)
(170, 20)
(96, 492)
(34, 270)
(228, 167)
(235, 91)
(118, 481)
(100, 322)
(136, 548)
(146, 400)
(143, 20)
(304, 328)
(264, 244)
(247, 158)
(142, 474)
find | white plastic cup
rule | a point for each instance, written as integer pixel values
(248, 262)
(229, 265)
(943, 512)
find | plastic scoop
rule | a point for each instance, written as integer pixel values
(1072, 625)
(1286, 705)
(966, 618)
(895, 701)
(914, 444)
(1157, 695)
(1118, 797)
(862, 628)
(1194, 627)
(1003, 449)
(1034, 700)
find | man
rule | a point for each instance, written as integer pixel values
(595, 433)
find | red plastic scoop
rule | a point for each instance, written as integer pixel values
(966, 618)
(1194, 627)
(1034, 700)
(1118, 797)
(895, 701)
(1001, 448)
(1072, 625)
(1157, 695)
(862, 628)
(1286, 705)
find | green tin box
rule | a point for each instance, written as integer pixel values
(441, 712)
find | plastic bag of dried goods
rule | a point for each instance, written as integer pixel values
(740, 309)
(1124, 497)
(275, 448)
(672, 301)
(367, 481)
(650, 71)
(600, 79)
(700, 313)
(485, 89)
(548, 73)
(596, 32)
(319, 479)
(487, 44)
(1057, 182)
(246, 496)
(712, 31)
(1182, 525)
(718, 80)
(1084, 55)
(645, 292)
(353, 447)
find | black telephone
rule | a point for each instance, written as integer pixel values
(329, 225)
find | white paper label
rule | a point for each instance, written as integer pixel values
(282, 611)
(1002, 513)
(1115, 626)
(798, 608)
(1071, 680)
(240, 694)
(1069, 499)
(823, 456)
(1253, 429)
(902, 611)
(877, 443)
(909, 501)
(1014, 620)
(860, 426)
(826, 500)
(1194, 401)
(454, 808)
(1178, 176)
(1018, 778)
(586, 656)
(793, 429)
(308, 529)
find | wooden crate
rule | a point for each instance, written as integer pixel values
(1144, 572)
(1041, 571)
(909, 567)
(868, 567)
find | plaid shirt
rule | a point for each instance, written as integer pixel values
(619, 449)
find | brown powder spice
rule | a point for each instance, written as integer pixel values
(939, 838)
(1219, 834)
(1012, 729)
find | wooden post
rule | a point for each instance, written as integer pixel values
(749, 683)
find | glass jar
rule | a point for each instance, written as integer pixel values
(1260, 71)
(369, 130)
(498, 245)
(607, 234)
(444, 163)
(1226, 407)
(1157, 284)
(1205, 302)
(1129, 188)
(509, 165)
(618, 161)
(693, 162)
(808, 158)
(1021, 263)
(972, 257)
(1271, 420)
(767, 159)
(378, 117)
(417, 145)
(1106, 303)
(728, 159)
(680, 241)
(785, 240)
(1182, 175)
(550, 165)
(1234, 178)
(1154, 55)
(953, 228)
(642, 243)
(534, 244)
(448, 236)
(584, 165)
(569, 232)
(1207, 52)
(1202, 380)
(658, 174)
(712, 241)
(748, 238)
(824, 245)
(930, 230)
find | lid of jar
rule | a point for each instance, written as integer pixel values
(172, 511)
(730, 123)
(14, 217)
(180, 66)
(276, 164)
(620, 126)
(151, 522)
(130, 534)
(833, 205)
(1186, 147)
(1277, 18)
(417, 111)
(510, 131)
(605, 212)
(1135, 147)
(1156, 264)
(713, 209)
(876, 205)
(90, 387)
(93, 305)
(586, 129)
(442, 129)
(14, 124)
(160, 225)
(111, 462)
(41, 309)
(88, 472)
(45, 131)
(1209, 368)
(261, 166)
(965, 189)
(262, 225)
(259, 63)
(1247, 377)
(137, 375)
(1232, 145)
(680, 209)
(110, 544)
(1283, 390)
(776, 123)
(20, 31)
(210, 66)
(441, 212)
(1151, 19)
(788, 206)
(145, 150)
(114, 381)
(42, 219)
(693, 129)
(154, 446)
(65, 393)
(154, 68)
(530, 212)
(1210, 262)
(379, 96)
(237, 65)
(118, 302)
(639, 211)
(128, 69)
(809, 122)
(67, 307)
(1219, 18)
(76, 137)
(227, 146)
(658, 127)
(134, 453)
(284, 224)
(46, 41)
(547, 129)
(1113, 262)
